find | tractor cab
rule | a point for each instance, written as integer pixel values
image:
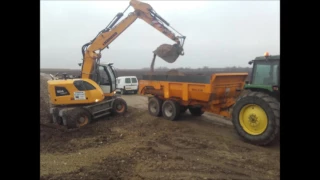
(265, 74)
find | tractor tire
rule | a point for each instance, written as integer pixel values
(256, 118)
(195, 111)
(78, 117)
(170, 110)
(119, 106)
(154, 106)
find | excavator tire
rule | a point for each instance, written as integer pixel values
(119, 106)
(78, 117)
(170, 110)
(256, 118)
(154, 106)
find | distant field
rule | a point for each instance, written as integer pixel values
(140, 72)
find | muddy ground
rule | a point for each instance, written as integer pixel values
(140, 146)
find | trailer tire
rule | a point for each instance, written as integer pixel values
(77, 117)
(196, 111)
(155, 106)
(119, 106)
(170, 110)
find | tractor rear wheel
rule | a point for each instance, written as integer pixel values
(77, 118)
(256, 118)
(154, 106)
(170, 110)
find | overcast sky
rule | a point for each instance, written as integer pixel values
(219, 33)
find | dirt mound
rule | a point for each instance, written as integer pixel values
(45, 118)
(44, 100)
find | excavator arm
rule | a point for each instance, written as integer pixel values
(92, 51)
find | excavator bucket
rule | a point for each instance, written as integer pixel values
(169, 53)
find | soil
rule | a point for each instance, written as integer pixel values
(140, 146)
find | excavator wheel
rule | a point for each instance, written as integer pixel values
(154, 106)
(170, 110)
(78, 117)
(119, 106)
(256, 118)
(196, 111)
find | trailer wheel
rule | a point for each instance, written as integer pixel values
(196, 111)
(78, 117)
(154, 106)
(170, 110)
(119, 106)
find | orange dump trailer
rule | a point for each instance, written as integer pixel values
(171, 95)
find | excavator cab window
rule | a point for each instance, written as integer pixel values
(104, 78)
(107, 78)
(112, 75)
(83, 85)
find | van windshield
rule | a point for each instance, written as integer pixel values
(134, 80)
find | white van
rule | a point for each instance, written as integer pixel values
(127, 84)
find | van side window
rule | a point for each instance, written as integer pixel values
(118, 81)
(127, 80)
(133, 80)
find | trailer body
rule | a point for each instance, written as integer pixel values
(214, 93)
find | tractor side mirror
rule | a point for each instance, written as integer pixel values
(250, 62)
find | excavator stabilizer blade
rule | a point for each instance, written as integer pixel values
(168, 53)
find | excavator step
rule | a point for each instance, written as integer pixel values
(102, 114)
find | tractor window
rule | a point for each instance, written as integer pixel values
(265, 73)
(127, 80)
(261, 74)
(275, 74)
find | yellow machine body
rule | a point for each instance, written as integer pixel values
(74, 91)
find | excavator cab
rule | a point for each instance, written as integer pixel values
(105, 76)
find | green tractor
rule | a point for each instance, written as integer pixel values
(256, 114)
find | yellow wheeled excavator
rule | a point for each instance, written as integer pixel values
(75, 102)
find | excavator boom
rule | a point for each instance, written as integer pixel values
(105, 37)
